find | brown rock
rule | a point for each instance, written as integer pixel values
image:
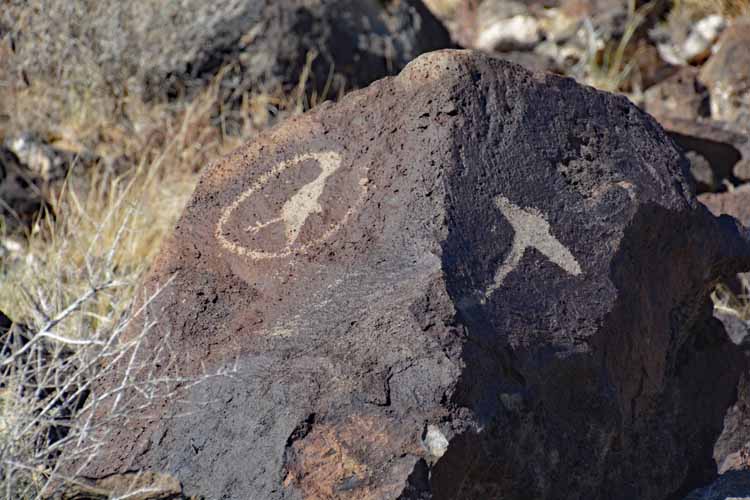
(505, 26)
(732, 450)
(741, 169)
(701, 172)
(735, 203)
(679, 96)
(468, 281)
(727, 76)
(721, 144)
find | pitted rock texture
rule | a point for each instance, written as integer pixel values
(495, 285)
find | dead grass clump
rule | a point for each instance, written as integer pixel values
(735, 303)
(611, 65)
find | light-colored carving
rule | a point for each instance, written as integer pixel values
(531, 231)
(295, 211)
(302, 205)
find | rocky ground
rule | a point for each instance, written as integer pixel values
(610, 378)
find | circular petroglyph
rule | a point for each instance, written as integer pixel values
(293, 207)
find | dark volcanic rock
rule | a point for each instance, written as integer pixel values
(353, 44)
(5, 323)
(469, 281)
(731, 486)
(21, 196)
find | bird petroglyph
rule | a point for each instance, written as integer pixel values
(306, 202)
(531, 231)
(295, 211)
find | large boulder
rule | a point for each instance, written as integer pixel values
(265, 44)
(468, 281)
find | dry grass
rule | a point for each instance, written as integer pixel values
(74, 281)
(610, 64)
(702, 8)
(444, 9)
(729, 301)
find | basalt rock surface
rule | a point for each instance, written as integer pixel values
(468, 281)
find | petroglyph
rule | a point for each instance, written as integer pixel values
(531, 231)
(295, 211)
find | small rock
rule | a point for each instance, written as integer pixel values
(38, 157)
(435, 441)
(735, 203)
(557, 25)
(720, 144)
(21, 196)
(681, 95)
(741, 169)
(49, 163)
(505, 26)
(10, 249)
(515, 33)
(684, 42)
(702, 37)
(727, 76)
(702, 172)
